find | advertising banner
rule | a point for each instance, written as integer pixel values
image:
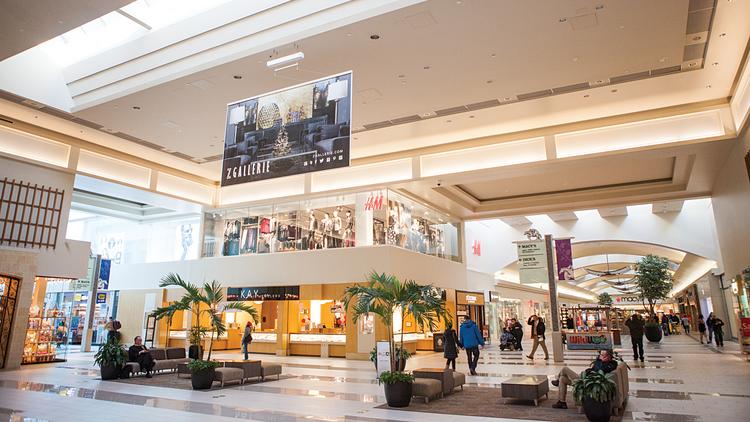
(745, 332)
(564, 255)
(101, 297)
(383, 360)
(589, 341)
(532, 261)
(300, 129)
(104, 269)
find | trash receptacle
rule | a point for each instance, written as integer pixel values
(437, 342)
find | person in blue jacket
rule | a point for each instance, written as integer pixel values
(471, 339)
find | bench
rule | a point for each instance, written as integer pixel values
(530, 387)
(227, 374)
(427, 388)
(442, 375)
(459, 379)
(268, 369)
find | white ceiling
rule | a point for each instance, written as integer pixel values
(27, 23)
(437, 55)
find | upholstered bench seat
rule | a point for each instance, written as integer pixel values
(459, 379)
(427, 388)
(226, 374)
(268, 369)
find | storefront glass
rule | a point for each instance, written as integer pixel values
(343, 221)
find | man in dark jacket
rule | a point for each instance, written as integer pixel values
(471, 339)
(636, 324)
(517, 330)
(604, 362)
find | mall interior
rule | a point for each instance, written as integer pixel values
(289, 149)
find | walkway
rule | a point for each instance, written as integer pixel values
(681, 380)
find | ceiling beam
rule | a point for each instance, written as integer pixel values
(562, 216)
(516, 221)
(665, 207)
(612, 212)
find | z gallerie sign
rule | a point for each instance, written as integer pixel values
(235, 294)
(301, 129)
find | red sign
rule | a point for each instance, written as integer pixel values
(745, 332)
(476, 248)
(374, 202)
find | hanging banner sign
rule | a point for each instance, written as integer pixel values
(564, 255)
(104, 269)
(532, 261)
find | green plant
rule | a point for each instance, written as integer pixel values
(653, 280)
(605, 299)
(374, 354)
(595, 385)
(112, 354)
(402, 354)
(211, 296)
(385, 295)
(199, 365)
(196, 334)
(392, 377)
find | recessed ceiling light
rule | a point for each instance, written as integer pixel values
(374, 37)
(693, 64)
(708, 86)
(136, 107)
(448, 121)
(614, 90)
(471, 117)
(426, 114)
(723, 34)
(237, 76)
(715, 63)
(493, 55)
(697, 38)
(401, 76)
(489, 81)
(585, 95)
(507, 99)
(600, 7)
(458, 2)
(663, 59)
(348, 34)
(426, 68)
(562, 20)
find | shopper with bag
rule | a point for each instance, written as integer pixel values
(537, 336)
(247, 338)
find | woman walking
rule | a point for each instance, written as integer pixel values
(701, 328)
(450, 346)
(719, 332)
(247, 338)
(710, 327)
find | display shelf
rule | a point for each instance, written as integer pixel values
(40, 345)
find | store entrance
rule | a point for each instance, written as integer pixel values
(8, 292)
(472, 304)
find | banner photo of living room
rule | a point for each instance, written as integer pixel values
(295, 130)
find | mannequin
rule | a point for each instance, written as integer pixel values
(327, 229)
(312, 229)
(349, 229)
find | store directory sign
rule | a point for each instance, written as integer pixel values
(300, 129)
(532, 261)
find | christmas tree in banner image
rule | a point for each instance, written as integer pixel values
(281, 147)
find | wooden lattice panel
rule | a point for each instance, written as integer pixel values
(29, 214)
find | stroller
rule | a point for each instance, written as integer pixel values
(507, 341)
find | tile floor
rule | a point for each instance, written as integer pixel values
(681, 380)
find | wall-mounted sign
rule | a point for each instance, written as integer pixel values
(476, 248)
(532, 261)
(300, 129)
(564, 255)
(374, 202)
(105, 266)
(263, 293)
(469, 298)
(101, 297)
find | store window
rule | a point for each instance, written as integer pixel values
(360, 219)
(8, 292)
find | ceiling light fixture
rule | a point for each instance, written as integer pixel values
(374, 37)
(284, 62)
(237, 76)
(136, 107)
(715, 63)
(489, 81)
(723, 34)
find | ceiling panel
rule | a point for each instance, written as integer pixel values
(27, 23)
(607, 172)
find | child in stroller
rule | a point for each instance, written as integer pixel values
(507, 340)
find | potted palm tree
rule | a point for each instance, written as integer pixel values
(111, 358)
(595, 391)
(385, 295)
(654, 281)
(206, 301)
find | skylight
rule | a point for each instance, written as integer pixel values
(120, 26)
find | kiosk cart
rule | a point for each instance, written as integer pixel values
(592, 328)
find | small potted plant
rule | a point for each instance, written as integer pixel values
(595, 391)
(111, 358)
(397, 387)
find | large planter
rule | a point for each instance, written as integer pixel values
(652, 332)
(597, 411)
(398, 394)
(110, 372)
(202, 380)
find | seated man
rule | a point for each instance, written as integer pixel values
(139, 353)
(603, 362)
